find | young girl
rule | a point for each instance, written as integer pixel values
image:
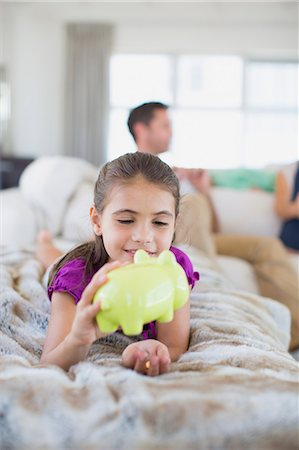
(136, 202)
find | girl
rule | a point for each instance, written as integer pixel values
(136, 202)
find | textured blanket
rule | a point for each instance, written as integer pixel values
(236, 387)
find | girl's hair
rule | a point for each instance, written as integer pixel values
(120, 171)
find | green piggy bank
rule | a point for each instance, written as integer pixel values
(149, 289)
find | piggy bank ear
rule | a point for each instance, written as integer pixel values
(166, 257)
(141, 257)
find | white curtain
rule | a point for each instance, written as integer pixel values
(5, 147)
(87, 91)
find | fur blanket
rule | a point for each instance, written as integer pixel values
(236, 387)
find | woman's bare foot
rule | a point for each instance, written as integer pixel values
(46, 252)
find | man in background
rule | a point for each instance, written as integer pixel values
(197, 225)
(150, 126)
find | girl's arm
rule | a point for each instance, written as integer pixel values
(62, 347)
(176, 334)
(72, 329)
(285, 208)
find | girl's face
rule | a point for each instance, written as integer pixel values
(138, 215)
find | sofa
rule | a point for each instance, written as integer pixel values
(236, 386)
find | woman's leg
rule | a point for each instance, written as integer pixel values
(275, 274)
(46, 252)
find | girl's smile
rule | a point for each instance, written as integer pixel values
(138, 215)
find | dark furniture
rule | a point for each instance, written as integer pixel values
(11, 168)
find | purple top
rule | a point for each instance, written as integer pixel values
(69, 279)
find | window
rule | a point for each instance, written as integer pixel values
(271, 113)
(226, 111)
(209, 82)
(134, 78)
(272, 85)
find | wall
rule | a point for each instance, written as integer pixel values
(253, 41)
(36, 43)
(37, 78)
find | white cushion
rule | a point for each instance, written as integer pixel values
(49, 182)
(19, 224)
(247, 212)
(76, 224)
(239, 272)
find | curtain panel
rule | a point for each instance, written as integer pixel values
(87, 91)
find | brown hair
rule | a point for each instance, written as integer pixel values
(120, 170)
(143, 113)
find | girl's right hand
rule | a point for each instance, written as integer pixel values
(150, 357)
(85, 329)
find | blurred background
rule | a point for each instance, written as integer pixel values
(70, 72)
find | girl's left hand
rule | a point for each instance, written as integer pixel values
(149, 357)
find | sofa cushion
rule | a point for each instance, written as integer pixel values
(19, 224)
(50, 182)
(244, 178)
(76, 224)
(244, 212)
(239, 272)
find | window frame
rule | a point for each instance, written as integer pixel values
(244, 109)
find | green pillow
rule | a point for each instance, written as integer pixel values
(244, 178)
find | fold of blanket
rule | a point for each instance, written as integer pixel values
(235, 388)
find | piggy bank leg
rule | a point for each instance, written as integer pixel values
(167, 316)
(106, 325)
(132, 329)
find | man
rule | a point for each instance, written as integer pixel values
(150, 127)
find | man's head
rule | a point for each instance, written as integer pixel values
(150, 127)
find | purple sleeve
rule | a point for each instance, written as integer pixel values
(185, 262)
(70, 279)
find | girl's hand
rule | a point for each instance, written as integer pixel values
(85, 329)
(149, 357)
